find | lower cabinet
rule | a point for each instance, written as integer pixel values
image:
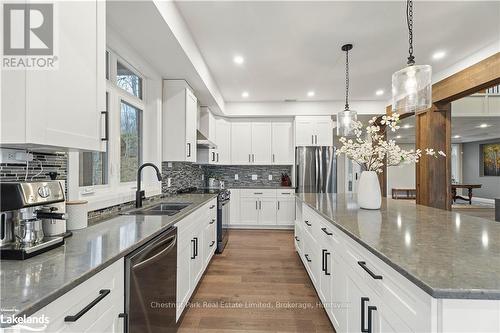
(358, 292)
(197, 242)
(262, 208)
(106, 286)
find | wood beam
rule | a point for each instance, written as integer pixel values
(433, 175)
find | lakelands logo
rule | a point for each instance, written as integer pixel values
(28, 36)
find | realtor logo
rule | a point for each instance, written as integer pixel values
(28, 36)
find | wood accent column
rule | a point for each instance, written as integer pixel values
(433, 175)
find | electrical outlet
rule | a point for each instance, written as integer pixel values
(270, 177)
(15, 156)
(202, 176)
(254, 177)
(169, 182)
(236, 176)
(169, 164)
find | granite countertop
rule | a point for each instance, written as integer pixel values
(447, 254)
(29, 285)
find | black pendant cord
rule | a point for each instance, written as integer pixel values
(409, 22)
(347, 79)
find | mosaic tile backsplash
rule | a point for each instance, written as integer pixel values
(182, 175)
(38, 169)
(226, 173)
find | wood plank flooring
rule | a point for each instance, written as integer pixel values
(247, 288)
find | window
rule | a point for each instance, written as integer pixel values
(130, 141)
(93, 166)
(128, 80)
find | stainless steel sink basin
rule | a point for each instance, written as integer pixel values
(164, 208)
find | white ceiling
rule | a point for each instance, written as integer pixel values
(293, 47)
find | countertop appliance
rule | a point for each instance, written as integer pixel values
(23, 208)
(316, 169)
(151, 285)
(223, 212)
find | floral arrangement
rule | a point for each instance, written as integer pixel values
(372, 150)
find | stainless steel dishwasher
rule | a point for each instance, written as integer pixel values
(150, 285)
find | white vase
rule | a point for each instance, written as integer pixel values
(369, 195)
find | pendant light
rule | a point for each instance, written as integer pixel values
(411, 86)
(346, 118)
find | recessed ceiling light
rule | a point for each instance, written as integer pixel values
(398, 137)
(438, 55)
(407, 126)
(245, 94)
(238, 60)
(456, 136)
(379, 92)
(311, 93)
(484, 125)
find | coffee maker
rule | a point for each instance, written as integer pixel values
(23, 208)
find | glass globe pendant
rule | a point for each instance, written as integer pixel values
(347, 117)
(412, 86)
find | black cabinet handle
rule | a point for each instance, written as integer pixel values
(278, 205)
(102, 293)
(371, 308)
(297, 239)
(212, 244)
(307, 223)
(258, 193)
(373, 275)
(212, 207)
(326, 263)
(363, 301)
(323, 264)
(189, 149)
(212, 222)
(213, 156)
(326, 232)
(307, 257)
(217, 157)
(125, 321)
(106, 125)
(194, 249)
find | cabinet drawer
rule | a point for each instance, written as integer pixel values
(257, 193)
(106, 286)
(285, 192)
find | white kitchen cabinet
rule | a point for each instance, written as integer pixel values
(241, 143)
(207, 127)
(282, 143)
(101, 317)
(210, 235)
(61, 108)
(234, 211)
(267, 211)
(285, 210)
(223, 140)
(180, 108)
(313, 131)
(249, 211)
(261, 143)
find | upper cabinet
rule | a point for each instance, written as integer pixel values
(282, 143)
(180, 108)
(313, 131)
(261, 143)
(223, 140)
(61, 107)
(241, 142)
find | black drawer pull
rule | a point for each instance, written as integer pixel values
(363, 301)
(125, 321)
(211, 222)
(326, 263)
(307, 257)
(102, 293)
(194, 249)
(213, 242)
(373, 275)
(307, 223)
(323, 261)
(258, 193)
(326, 232)
(370, 309)
(297, 239)
(212, 207)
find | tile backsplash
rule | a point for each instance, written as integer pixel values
(38, 169)
(227, 174)
(182, 175)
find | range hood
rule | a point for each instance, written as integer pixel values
(203, 142)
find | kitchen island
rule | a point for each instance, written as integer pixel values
(423, 269)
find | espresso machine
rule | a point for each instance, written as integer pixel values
(24, 206)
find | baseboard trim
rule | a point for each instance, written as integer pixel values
(260, 226)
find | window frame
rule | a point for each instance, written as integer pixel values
(140, 126)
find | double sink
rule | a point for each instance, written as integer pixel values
(164, 208)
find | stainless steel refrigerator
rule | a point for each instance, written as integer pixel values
(316, 169)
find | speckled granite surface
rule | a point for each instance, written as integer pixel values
(448, 255)
(29, 285)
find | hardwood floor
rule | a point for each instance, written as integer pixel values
(247, 287)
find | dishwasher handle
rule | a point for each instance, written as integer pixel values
(171, 241)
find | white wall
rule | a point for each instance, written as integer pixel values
(402, 176)
(278, 109)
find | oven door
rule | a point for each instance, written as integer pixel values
(223, 221)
